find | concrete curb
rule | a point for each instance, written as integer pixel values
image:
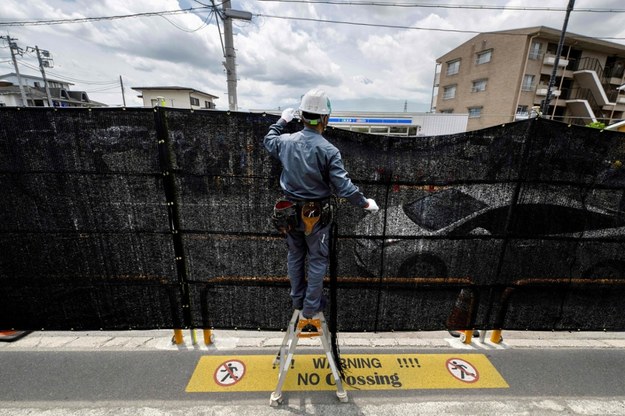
(255, 340)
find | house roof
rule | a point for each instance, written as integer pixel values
(176, 88)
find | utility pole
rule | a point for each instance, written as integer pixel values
(552, 80)
(229, 52)
(44, 62)
(230, 63)
(13, 48)
(121, 83)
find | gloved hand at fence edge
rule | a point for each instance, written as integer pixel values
(288, 114)
(371, 206)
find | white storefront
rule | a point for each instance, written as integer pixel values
(401, 124)
(396, 124)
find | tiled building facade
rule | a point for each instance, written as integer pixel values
(500, 77)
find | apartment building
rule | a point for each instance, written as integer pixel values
(499, 77)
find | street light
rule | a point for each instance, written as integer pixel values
(238, 14)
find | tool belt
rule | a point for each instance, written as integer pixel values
(287, 213)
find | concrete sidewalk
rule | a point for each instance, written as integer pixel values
(270, 341)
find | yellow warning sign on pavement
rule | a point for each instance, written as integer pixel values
(363, 372)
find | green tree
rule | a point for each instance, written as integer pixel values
(596, 125)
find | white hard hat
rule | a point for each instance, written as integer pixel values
(316, 101)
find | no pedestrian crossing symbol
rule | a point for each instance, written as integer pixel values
(462, 370)
(362, 372)
(229, 372)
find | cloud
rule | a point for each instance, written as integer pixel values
(277, 59)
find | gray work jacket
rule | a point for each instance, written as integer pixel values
(310, 165)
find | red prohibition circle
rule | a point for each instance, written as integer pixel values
(225, 375)
(476, 374)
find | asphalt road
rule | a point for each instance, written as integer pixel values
(143, 382)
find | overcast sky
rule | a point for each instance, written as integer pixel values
(364, 68)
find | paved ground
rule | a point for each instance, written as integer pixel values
(142, 373)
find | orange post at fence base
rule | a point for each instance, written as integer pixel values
(178, 338)
(11, 335)
(468, 336)
(208, 337)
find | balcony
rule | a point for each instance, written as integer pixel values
(551, 59)
(543, 91)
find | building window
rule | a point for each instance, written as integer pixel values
(522, 112)
(535, 51)
(453, 67)
(528, 83)
(398, 131)
(484, 57)
(195, 101)
(208, 104)
(447, 111)
(449, 92)
(479, 85)
(475, 112)
(378, 130)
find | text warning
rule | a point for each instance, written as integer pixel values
(362, 372)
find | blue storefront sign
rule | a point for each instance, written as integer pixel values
(373, 120)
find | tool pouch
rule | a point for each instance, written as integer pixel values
(284, 216)
(328, 210)
(311, 214)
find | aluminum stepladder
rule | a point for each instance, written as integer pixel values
(289, 344)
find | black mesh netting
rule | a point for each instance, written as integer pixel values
(159, 218)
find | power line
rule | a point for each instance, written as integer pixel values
(66, 78)
(42, 22)
(445, 6)
(342, 22)
(205, 23)
(99, 90)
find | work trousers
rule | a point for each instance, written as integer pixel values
(308, 295)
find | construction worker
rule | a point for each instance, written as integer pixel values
(312, 169)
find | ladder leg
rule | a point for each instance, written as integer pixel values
(287, 334)
(287, 350)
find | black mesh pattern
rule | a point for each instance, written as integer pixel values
(160, 218)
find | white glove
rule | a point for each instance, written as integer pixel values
(372, 206)
(288, 114)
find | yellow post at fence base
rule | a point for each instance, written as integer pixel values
(495, 336)
(468, 336)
